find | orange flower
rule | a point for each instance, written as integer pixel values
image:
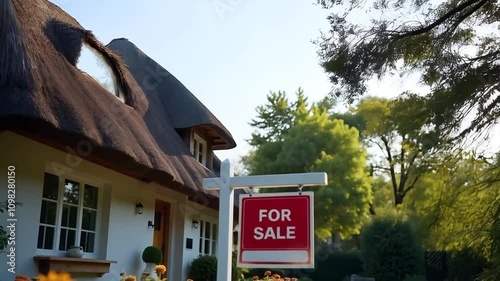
(294, 279)
(53, 276)
(267, 273)
(256, 277)
(160, 269)
(287, 279)
(189, 280)
(131, 278)
(276, 276)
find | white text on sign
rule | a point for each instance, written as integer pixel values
(274, 215)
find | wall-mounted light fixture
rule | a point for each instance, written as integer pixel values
(195, 224)
(139, 208)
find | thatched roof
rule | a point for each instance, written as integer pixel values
(44, 95)
(171, 96)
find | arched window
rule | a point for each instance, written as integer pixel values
(92, 62)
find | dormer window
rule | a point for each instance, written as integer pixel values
(199, 149)
(93, 63)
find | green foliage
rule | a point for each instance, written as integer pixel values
(457, 208)
(313, 142)
(337, 266)
(203, 268)
(237, 273)
(452, 45)
(152, 254)
(402, 147)
(415, 278)
(390, 250)
(465, 265)
(492, 273)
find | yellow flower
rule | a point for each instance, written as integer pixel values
(189, 280)
(54, 276)
(160, 269)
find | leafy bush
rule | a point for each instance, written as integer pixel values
(238, 274)
(152, 254)
(493, 272)
(465, 265)
(203, 268)
(415, 278)
(390, 250)
(337, 266)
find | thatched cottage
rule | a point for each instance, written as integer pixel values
(110, 163)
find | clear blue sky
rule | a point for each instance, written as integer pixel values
(228, 53)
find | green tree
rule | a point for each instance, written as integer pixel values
(452, 45)
(314, 142)
(403, 145)
(459, 206)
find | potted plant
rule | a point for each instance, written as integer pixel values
(151, 256)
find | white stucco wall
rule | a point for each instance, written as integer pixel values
(183, 212)
(123, 234)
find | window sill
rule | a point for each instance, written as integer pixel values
(72, 265)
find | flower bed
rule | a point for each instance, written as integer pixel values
(269, 276)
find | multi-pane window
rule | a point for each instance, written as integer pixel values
(68, 215)
(208, 238)
(199, 149)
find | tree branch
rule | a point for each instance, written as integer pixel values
(391, 169)
(466, 15)
(411, 186)
(381, 168)
(442, 19)
(402, 181)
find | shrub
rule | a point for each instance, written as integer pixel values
(152, 254)
(337, 266)
(390, 250)
(415, 278)
(238, 274)
(465, 265)
(203, 268)
(493, 272)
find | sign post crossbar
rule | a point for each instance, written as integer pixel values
(226, 184)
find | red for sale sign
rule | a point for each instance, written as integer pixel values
(276, 230)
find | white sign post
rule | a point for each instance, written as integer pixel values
(226, 184)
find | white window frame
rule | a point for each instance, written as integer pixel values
(202, 241)
(196, 141)
(82, 180)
